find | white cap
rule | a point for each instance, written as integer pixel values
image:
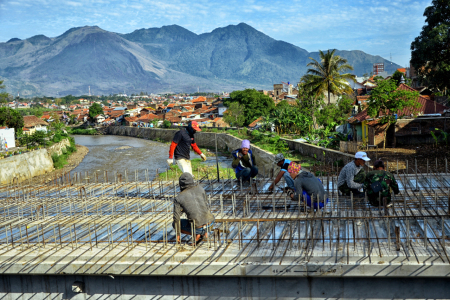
(362, 155)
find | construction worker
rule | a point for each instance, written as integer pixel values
(307, 186)
(378, 185)
(181, 145)
(283, 163)
(192, 201)
(244, 163)
(352, 176)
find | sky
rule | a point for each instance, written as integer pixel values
(384, 27)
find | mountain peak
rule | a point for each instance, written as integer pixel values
(38, 39)
(14, 40)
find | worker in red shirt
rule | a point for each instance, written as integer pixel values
(181, 148)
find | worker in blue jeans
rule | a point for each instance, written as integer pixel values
(244, 163)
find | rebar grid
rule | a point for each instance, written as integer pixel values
(75, 211)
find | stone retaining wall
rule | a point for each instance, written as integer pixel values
(25, 166)
(59, 147)
(30, 164)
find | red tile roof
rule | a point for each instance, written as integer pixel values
(149, 117)
(199, 99)
(131, 119)
(30, 121)
(403, 70)
(254, 123)
(173, 119)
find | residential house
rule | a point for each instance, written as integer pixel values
(407, 129)
(33, 123)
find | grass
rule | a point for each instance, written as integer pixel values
(199, 169)
(59, 161)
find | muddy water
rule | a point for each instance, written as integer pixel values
(115, 154)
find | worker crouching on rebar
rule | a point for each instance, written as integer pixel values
(307, 186)
(192, 201)
(352, 176)
(181, 145)
(283, 163)
(378, 185)
(244, 163)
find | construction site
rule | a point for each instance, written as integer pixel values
(90, 235)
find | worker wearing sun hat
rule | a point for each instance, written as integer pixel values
(306, 186)
(352, 176)
(181, 145)
(244, 163)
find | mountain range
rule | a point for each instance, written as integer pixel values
(157, 60)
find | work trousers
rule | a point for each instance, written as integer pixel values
(185, 165)
(247, 173)
(289, 181)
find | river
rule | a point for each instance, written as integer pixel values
(113, 153)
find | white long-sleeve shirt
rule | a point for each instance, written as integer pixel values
(347, 175)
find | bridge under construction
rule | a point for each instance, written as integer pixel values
(98, 234)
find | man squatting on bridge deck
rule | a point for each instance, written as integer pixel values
(181, 145)
(378, 185)
(352, 176)
(244, 162)
(283, 163)
(308, 183)
(192, 201)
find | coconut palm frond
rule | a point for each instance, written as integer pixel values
(326, 76)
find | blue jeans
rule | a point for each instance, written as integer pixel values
(186, 226)
(289, 180)
(247, 173)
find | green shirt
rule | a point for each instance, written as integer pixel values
(387, 181)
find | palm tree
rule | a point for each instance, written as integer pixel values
(326, 75)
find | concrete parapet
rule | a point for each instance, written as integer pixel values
(42, 287)
(319, 153)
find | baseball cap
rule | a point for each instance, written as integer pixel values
(362, 155)
(279, 157)
(194, 125)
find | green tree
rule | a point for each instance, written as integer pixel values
(255, 104)
(234, 115)
(166, 124)
(397, 76)
(289, 119)
(3, 95)
(430, 55)
(165, 103)
(334, 114)
(386, 102)
(327, 75)
(12, 119)
(94, 110)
